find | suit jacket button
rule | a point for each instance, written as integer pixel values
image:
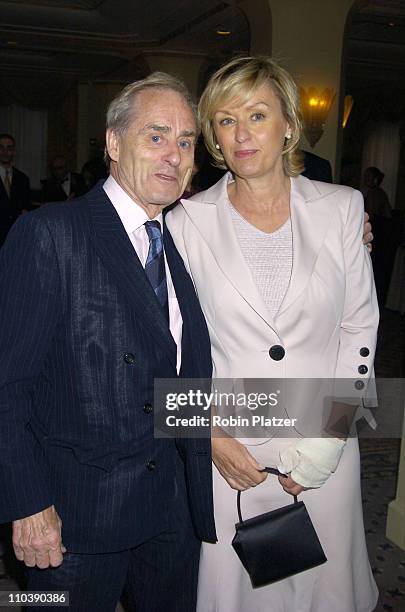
(362, 369)
(364, 351)
(276, 352)
(359, 384)
(151, 465)
(147, 408)
(129, 358)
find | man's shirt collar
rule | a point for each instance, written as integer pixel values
(131, 214)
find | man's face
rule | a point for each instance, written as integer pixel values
(59, 168)
(7, 150)
(153, 160)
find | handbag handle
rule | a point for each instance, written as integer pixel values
(269, 470)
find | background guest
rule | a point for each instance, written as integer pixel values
(14, 187)
(93, 171)
(62, 184)
(378, 207)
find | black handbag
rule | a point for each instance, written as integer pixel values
(277, 544)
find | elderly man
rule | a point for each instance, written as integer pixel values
(95, 303)
(14, 187)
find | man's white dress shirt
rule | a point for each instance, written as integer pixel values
(133, 218)
(65, 184)
(3, 172)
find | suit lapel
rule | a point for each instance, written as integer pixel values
(311, 217)
(115, 249)
(181, 283)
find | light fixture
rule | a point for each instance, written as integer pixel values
(223, 32)
(347, 109)
(315, 107)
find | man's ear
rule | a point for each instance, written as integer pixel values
(112, 143)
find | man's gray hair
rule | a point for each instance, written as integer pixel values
(121, 109)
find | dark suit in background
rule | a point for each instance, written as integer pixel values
(11, 207)
(317, 168)
(52, 190)
(78, 359)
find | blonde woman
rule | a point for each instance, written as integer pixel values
(287, 290)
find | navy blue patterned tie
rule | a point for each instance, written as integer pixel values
(155, 264)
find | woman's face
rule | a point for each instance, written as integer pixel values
(251, 135)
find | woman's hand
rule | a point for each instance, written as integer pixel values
(234, 462)
(311, 461)
(290, 486)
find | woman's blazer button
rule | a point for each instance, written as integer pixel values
(276, 352)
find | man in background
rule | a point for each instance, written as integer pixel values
(14, 187)
(62, 184)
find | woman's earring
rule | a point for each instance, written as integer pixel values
(288, 136)
(217, 146)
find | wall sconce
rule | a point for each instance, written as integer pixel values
(315, 107)
(347, 109)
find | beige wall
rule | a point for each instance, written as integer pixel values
(308, 39)
(185, 67)
(396, 509)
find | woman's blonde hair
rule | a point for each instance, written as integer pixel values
(239, 78)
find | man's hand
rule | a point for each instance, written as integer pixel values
(367, 235)
(234, 462)
(37, 539)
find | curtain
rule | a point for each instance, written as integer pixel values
(30, 130)
(382, 149)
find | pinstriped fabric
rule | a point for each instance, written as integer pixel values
(94, 582)
(21, 353)
(82, 338)
(160, 574)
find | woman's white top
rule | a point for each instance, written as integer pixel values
(269, 257)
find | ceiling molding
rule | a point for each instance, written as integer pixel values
(82, 5)
(8, 28)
